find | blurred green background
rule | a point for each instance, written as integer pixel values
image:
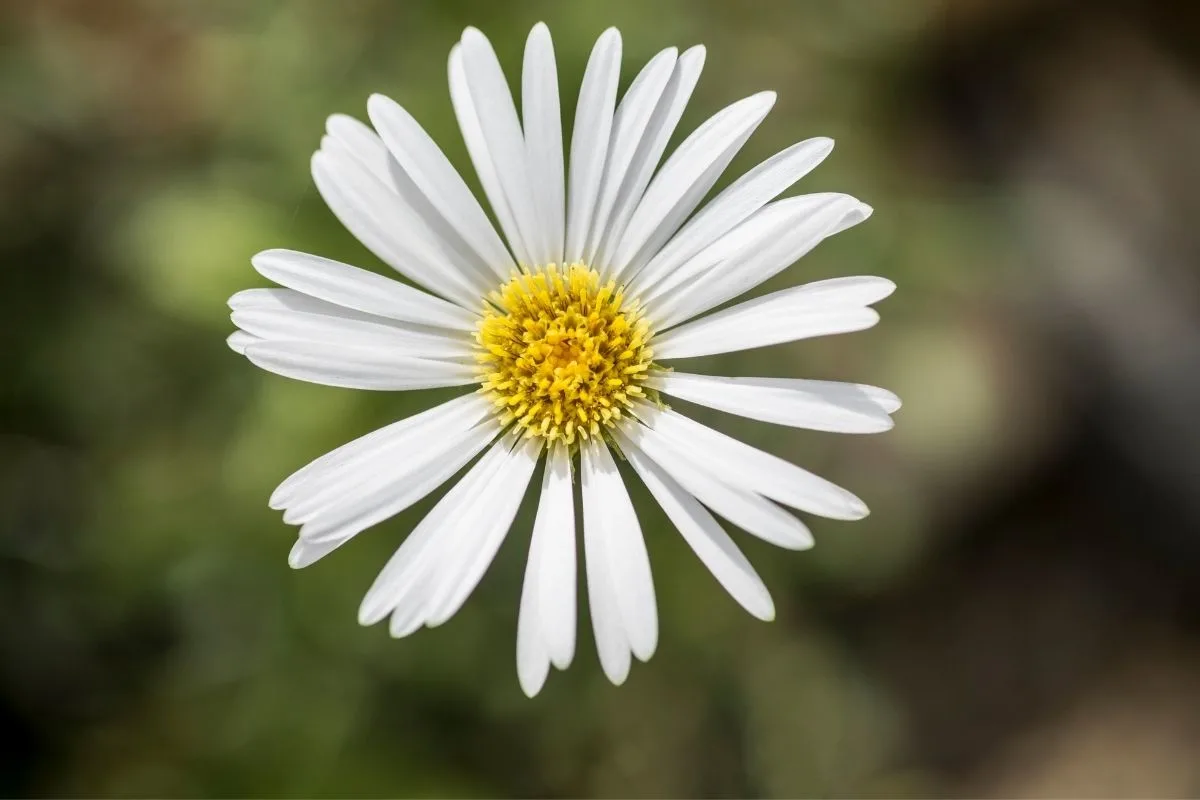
(1020, 615)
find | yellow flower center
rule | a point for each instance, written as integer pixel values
(562, 355)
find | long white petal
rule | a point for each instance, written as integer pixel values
(388, 227)
(542, 119)
(408, 485)
(590, 138)
(480, 540)
(555, 531)
(300, 326)
(782, 247)
(355, 288)
(629, 564)
(630, 124)
(735, 502)
(347, 488)
(363, 143)
(705, 536)
(822, 308)
(739, 464)
(684, 180)
(816, 405)
(607, 624)
(650, 150)
(402, 579)
(761, 233)
(488, 117)
(736, 204)
(375, 368)
(533, 660)
(430, 171)
(317, 470)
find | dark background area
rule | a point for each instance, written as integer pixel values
(1020, 615)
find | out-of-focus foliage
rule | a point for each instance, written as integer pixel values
(153, 641)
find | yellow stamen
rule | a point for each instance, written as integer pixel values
(561, 354)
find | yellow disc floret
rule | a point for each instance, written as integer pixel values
(562, 355)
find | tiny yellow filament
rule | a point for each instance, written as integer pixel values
(561, 354)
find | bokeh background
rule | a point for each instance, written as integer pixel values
(1020, 616)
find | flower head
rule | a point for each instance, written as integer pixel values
(561, 330)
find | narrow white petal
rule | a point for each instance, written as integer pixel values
(332, 530)
(747, 241)
(304, 554)
(554, 530)
(739, 464)
(822, 308)
(705, 536)
(404, 579)
(736, 204)
(360, 290)
(488, 119)
(684, 180)
(650, 150)
(542, 119)
(301, 326)
(478, 540)
(783, 246)
(607, 624)
(816, 405)
(238, 341)
(431, 172)
(735, 502)
(346, 488)
(374, 368)
(363, 143)
(630, 124)
(533, 661)
(590, 138)
(461, 407)
(380, 219)
(629, 563)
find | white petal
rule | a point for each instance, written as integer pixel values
(542, 119)
(650, 150)
(488, 118)
(684, 180)
(404, 578)
(388, 227)
(363, 143)
(629, 126)
(822, 308)
(360, 290)
(817, 405)
(238, 341)
(301, 326)
(590, 137)
(350, 486)
(555, 531)
(705, 536)
(739, 464)
(736, 204)
(480, 538)
(607, 624)
(783, 246)
(304, 554)
(431, 172)
(374, 368)
(533, 661)
(336, 526)
(735, 502)
(317, 470)
(629, 563)
(747, 241)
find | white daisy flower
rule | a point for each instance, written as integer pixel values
(561, 329)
